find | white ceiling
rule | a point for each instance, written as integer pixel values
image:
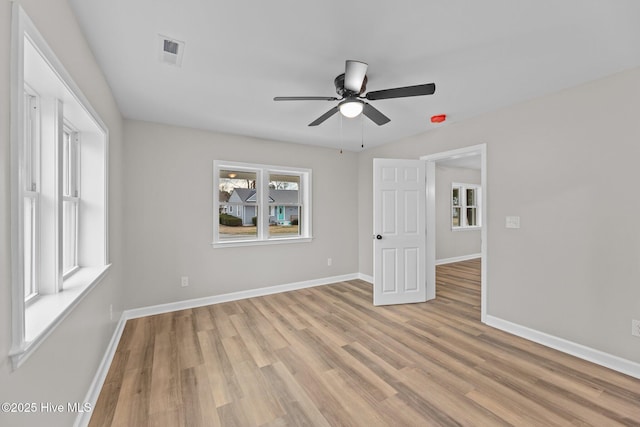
(482, 55)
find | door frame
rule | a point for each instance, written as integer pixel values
(431, 160)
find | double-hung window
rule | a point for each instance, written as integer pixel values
(59, 150)
(30, 166)
(259, 204)
(465, 208)
(70, 200)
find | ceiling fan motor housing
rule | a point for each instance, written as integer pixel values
(345, 93)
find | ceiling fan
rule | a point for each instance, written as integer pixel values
(350, 86)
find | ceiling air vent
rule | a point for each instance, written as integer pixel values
(171, 50)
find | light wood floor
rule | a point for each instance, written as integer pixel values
(326, 356)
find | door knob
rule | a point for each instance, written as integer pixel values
(378, 236)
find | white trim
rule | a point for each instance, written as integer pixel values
(457, 259)
(431, 229)
(233, 296)
(270, 241)
(83, 418)
(57, 305)
(19, 21)
(263, 173)
(431, 159)
(64, 304)
(365, 277)
(598, 357)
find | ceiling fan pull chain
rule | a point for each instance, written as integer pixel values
(341, 136)
(361, 130)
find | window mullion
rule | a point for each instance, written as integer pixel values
(478, 210)
(463, 206)
(263, 207)
(59, 193)
(70, 199)
(307, 202)
(75, 165)
(217, 206)
(30, 219)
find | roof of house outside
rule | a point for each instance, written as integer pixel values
(248, 195)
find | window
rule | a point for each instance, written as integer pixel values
(258, 204)
(59, 191)
(70, 200)
(30, 194)
(465, 209)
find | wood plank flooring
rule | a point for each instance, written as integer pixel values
(326, 356)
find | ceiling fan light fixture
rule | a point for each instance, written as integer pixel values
(351, 108)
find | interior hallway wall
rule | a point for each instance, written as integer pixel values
(452, 243)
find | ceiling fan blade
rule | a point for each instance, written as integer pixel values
(305, 98)
(375, 115)
(324, 117)
(354, 72)
(401, 92)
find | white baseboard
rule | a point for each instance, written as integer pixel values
(365, 277)
(598, 357)
(82, 420)
(233, 296)
(458, 259)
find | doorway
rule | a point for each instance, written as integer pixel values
(459, 157)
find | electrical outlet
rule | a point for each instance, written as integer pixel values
(184, 281)
(635, 328)
(110, 311)
(329, 262)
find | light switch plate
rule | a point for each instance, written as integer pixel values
(512, 222)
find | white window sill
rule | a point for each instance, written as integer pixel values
(46, 312)
(279, 241)
(466, 228)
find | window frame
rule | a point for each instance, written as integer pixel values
(33, 321)
(463, 206)
(263, 205)
(71, 194)
(31, 188)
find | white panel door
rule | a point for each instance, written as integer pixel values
(399, 231)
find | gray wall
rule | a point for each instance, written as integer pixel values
(62, 368)
(169, 202)
(565, 163)
(453, 243)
